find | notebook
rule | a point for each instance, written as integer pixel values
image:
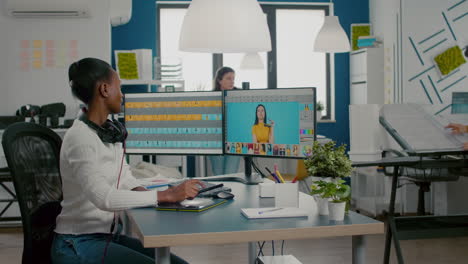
(274, 212)
(194, 205)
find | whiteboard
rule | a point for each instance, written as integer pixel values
(62, 40)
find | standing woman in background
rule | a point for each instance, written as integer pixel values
(97, 182)
(220, 164)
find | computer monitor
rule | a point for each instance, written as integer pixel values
(174, 123)
(277, 123)
(270, 122)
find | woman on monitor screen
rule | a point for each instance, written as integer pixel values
(220, 164)
(96, 180)
(261, 131)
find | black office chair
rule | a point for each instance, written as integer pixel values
(32, 153)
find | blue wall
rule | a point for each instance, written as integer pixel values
(140, 33)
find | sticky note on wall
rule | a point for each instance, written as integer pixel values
(127, 65)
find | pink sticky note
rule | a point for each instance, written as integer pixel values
(50, 44)
(24, 44)
(50, 63)
(50, 53)
(24, 55)
(74, 43)
(73, 54)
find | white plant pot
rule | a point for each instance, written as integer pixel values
(336, 210)
(322, 205)
(318, 115)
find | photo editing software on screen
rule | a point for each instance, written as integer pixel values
(174, 123)
(270, 122)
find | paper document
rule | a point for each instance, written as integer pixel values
(273, 212)
(420, 129)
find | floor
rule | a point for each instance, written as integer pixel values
(323, 251)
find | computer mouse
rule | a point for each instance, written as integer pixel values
(225, 195)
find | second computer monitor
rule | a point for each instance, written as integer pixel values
(270, 122)
(174, 123)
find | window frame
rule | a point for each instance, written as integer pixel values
(270, 9)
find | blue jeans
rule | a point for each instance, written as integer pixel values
(224, 164)
(89, 249)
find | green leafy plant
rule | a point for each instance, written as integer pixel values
(337, 191)
(320, 106)
(327, 160)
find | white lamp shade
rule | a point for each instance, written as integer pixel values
(251, 61)
(331, 37)
(225, 26)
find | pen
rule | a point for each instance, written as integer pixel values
(273, 175)
(279, 176)
(294, 180)
(268, 211)
(210, 188)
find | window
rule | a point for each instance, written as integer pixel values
(196, 67)
(291, 63)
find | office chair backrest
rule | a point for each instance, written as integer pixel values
(33, 152)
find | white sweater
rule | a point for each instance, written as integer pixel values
(90, 171)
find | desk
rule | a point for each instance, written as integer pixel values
(224, 224)
(399, 228)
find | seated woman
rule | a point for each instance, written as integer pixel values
(261, 131)
(224, 164)
(96, 180)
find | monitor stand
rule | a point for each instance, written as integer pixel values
(247, 177)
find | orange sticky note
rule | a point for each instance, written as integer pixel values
(37, 44)
(37, 54)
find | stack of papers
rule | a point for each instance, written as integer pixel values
(273, 212)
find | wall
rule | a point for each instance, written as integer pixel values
(49, 84)
(412, 77)
(141, 33)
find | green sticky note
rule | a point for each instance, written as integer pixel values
(449, 60)
(127, 65)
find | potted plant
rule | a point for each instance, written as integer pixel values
(337, 194)
(319, 110)
(327, 163)
(328, 160)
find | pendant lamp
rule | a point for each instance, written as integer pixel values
(224, 26)
(251, 61)
(331, 37)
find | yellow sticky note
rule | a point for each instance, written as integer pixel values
(37, 64)
(37, 54)
(37, 44)
(127, 65)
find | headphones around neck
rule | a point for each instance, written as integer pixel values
(111, 132)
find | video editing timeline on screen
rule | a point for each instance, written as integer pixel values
(174, 123)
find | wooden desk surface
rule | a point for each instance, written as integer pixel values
(224, 224)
